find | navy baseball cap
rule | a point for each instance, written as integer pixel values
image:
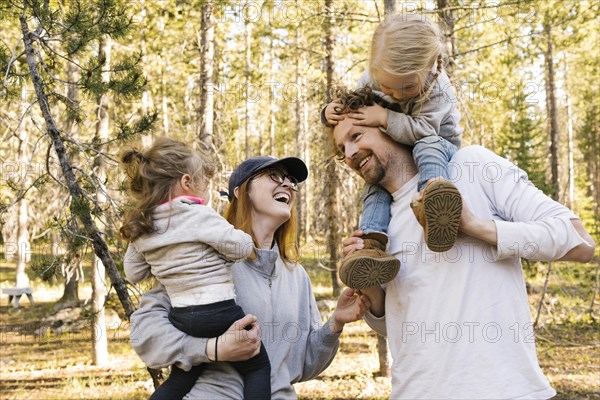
(294, 166)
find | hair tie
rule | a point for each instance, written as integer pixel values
(439, 68)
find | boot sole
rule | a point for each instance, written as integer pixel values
(365, 272)
(442, 204)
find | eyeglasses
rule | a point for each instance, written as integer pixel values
(279, 177)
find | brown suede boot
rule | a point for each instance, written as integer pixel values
(371, 265)
(439, 210)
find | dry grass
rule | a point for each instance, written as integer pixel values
(58, 366)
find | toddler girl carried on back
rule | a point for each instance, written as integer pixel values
(406, 73)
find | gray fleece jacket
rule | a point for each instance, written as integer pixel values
(437, 115)
(190, 253)
(299, 346)
(408, 122)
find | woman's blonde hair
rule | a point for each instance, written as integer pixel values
(406, 44)
(239, 214)
(151, 176)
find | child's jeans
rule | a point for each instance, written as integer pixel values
(212, 320)
(432, 155)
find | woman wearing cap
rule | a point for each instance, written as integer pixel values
(273, 289)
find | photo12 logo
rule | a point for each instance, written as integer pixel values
(466, 332)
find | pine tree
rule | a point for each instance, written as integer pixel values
(55, 35)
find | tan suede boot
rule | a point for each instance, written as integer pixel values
(439, 210)
(371, 265)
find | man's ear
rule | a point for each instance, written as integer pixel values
(236, 191)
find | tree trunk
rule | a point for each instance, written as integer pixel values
(248, 37)
(272, 108)
(384, 356)
(165, 98)
(146, 102)
(99, 339)
(23, 246)
(70, 295)
(207, 55)
(382, 344)
(571, 199)
(299, 137)
(552, 113)
(331, 179)
(446, 22)
(308, 186)
(99, 333)
(79, 205)
(389, 7)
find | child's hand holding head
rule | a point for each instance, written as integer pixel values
(374, 115)
(332, 114)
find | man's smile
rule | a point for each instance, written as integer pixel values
(364, 162)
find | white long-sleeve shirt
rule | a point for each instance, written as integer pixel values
(458, 323)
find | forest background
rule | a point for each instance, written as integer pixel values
(83, 78)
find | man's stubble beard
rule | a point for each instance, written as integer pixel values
(388, 168)
(377, 172)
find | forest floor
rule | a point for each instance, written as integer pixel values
(57, 365)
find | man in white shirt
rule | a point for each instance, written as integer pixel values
(458, 323)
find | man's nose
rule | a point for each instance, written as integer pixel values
(350, 150)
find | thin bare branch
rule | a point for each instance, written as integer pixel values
(99, 152)
(462, 53)
(13, 58)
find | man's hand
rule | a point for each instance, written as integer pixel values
(331, 115)
(353, 243)
(479, 229)
(374, 115)
(583, 252)
(375, 296)
(351, 306)
(237, 344)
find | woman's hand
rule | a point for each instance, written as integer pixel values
(375, 296)
(351, 306)
(237, 343)
(331, 115)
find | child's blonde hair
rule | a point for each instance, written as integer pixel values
(152, 173)
(405, 44)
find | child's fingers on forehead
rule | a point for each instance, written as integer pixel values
(356, 118)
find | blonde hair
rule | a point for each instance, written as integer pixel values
(151, 176)
(406, 44)
(239, 214)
